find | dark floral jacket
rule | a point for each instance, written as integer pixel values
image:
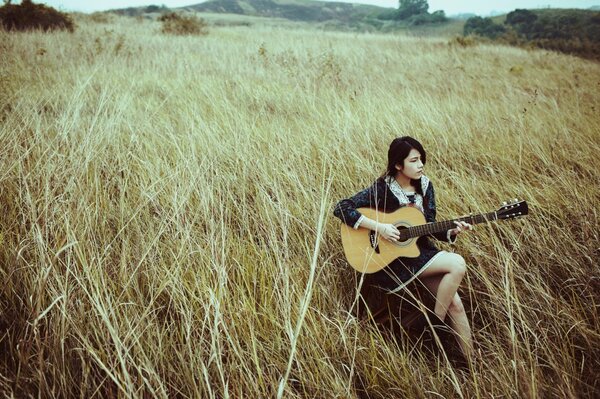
(380, 196)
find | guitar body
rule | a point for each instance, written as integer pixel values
(364, 249)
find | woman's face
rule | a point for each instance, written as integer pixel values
(412, 167)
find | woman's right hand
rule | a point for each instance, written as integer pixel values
(388, 232)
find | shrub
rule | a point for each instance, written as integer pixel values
(520, 16)
(483, 27)
(408, 8)
(437, 17)
(177, 24)
(28, 16)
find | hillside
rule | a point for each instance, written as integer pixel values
(324, 15)
(571, 31)
(296, 10)
(582, 26)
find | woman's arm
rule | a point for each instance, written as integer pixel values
(372, 197)
(346, 209)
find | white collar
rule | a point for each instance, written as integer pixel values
(401, 195)
(393, 182)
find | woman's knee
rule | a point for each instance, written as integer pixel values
(458, 266)
(447, 262)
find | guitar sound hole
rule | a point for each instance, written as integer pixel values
(403, 231)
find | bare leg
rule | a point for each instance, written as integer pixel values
(450, 269)
(458, 320)
(460, 324)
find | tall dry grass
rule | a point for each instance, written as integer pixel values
(166, 222)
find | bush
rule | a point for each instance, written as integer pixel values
(520, 17)
(483, 27)
(408, 8)
(437, 17)
(177, 24)
(28, 16)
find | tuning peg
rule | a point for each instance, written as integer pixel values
(504, 203)
(516, 200)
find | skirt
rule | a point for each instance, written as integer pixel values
(402, 271)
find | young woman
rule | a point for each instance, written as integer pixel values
(404, 184)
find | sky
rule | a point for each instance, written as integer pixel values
(451, 7)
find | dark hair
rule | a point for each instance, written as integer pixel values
(397, 153)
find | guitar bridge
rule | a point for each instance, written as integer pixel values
(373, 241)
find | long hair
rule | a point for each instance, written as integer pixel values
(398, 152)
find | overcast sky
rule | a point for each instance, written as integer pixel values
(449, 6)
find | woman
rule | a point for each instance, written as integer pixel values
(404, 184)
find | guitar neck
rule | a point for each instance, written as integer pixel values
(438, 227)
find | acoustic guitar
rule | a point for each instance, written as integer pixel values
(367, 253)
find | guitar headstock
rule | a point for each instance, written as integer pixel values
(512, 209)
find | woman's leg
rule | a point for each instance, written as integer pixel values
(449, 269)
(460, 324)
(458, 320)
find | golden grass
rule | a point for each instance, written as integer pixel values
(166, 222)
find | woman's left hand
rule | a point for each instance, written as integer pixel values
(460, 227)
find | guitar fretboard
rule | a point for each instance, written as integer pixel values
(437, 227)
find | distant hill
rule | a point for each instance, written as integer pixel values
(321, 14)
(295, 10)
(550, 25)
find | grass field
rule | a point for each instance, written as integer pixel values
(166, 224)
